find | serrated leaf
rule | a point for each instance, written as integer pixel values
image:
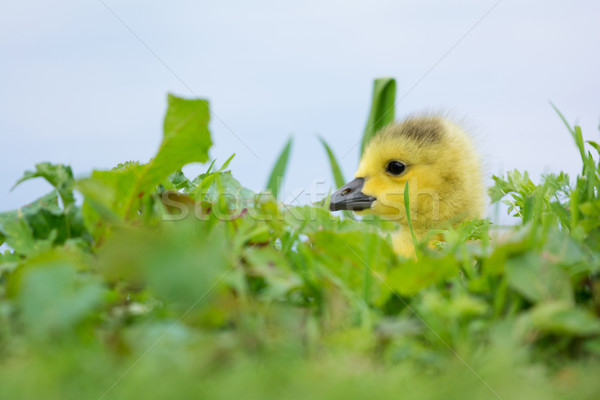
(19, 236)
(58, 175)
(226, 188)
(39, 224)
(111, 195)
(107, 193)
(186, 139)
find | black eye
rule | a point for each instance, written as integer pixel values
(395, 167)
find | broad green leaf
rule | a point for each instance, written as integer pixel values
(49, 202)
(335, 167)
(564, 319)
(537, 279)
(412, 275)
(563, 250)
(382, 111)
(181, 263)
(461, 305)
(278, 172)
(119, 193)
(58, 175)
(19, 236)
(272, 267)
(8, 262)
(227, 189)
(183, 271)
(53, 299)
(186, 139)
(39, 225)
(107, 194)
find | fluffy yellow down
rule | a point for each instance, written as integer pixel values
(443, 170)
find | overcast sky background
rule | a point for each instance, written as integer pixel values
(85, 82)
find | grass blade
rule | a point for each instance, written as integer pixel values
(338, 177)
(382, 108)
(274, 182)
(576, 133)
(408, 219)
(200, 191)
(212, 164)
(564, 120)
(595, 145)
(226, 164)
(579, 140)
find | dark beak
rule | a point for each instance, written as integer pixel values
(350, 197)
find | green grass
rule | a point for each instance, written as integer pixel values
(383, 109)
(278, 172)
(165, 286)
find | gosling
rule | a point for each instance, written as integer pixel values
(443, 170)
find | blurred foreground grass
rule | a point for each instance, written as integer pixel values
(160, 286)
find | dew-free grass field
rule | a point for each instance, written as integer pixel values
(162, 286)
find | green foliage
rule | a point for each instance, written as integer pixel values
(408, 217)
(59, 176)
(381, 113)
(122, 191)
(159, 285)
(54, 300)
(338, 177)
(558, 202)
(383, 107)
(278, 171)
(44, 222)
(186, 139)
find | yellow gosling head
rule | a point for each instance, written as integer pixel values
(439, 161)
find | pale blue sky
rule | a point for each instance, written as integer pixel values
(78, 87)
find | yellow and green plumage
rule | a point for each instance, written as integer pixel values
(440, 163)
